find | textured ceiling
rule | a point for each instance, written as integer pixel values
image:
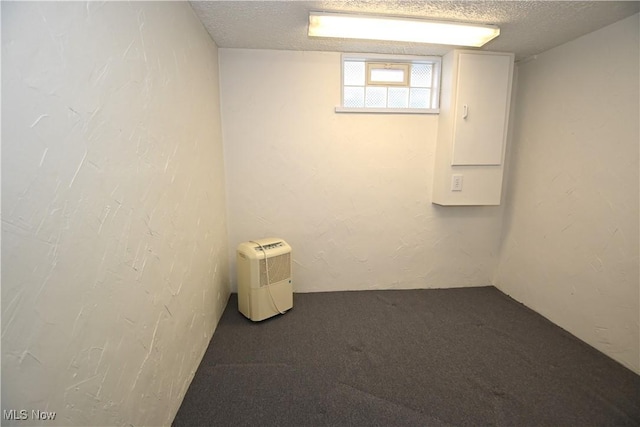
(527, 27)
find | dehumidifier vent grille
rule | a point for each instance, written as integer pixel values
(279, 269)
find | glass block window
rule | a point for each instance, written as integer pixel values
(390, 84)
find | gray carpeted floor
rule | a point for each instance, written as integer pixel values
(468, 356)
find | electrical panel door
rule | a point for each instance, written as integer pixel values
(480, 109)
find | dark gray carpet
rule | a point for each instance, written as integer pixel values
(445, 357)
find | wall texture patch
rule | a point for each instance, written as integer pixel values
(114, 247)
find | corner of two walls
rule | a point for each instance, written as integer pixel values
(114, 241)
(570, 238)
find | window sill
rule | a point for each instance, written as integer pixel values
(388, 110)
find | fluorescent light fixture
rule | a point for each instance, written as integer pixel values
(351, 26)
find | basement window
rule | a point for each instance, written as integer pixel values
(390, 84)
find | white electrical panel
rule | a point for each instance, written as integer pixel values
(472, 129)
(481, 109)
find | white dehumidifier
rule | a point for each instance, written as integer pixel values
(264, 278)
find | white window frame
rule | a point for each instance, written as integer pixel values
(373, 61)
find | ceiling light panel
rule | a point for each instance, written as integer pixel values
(350, 26)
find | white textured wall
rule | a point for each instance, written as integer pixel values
(570, 248)
(114, 247)
(350, 192)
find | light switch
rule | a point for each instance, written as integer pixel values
(456, 183)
